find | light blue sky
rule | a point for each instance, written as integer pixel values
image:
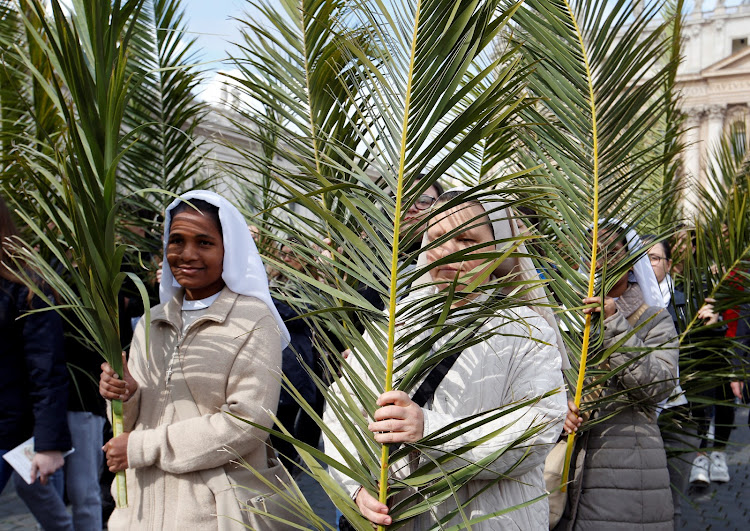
(211, 21)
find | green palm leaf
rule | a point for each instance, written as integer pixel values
(74, 187)
(404, 91)
(163, 114)
(602, 79)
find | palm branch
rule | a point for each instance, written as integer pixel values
(163, 112)
(422, 97)
(604, 82)
(27, 114)
(74, 187)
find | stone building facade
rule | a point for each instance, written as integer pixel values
(714, 79)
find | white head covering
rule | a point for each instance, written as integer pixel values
(642, 270)
(243, 271)
(505, 227)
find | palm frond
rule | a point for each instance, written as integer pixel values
(162, 115)
(602, 78)
(411, 90)
(75, 186)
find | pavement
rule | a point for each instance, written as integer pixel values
(720, 507)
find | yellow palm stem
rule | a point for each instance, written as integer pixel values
(384, 454)
(117, 429)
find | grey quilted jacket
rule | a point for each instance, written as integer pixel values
(625, 482)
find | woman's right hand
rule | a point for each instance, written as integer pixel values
(112, 387)
(372, 509)
(572, 421)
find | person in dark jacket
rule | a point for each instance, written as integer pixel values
(33, 390)
(86, 417)
(298, 362)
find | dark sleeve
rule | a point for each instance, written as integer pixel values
(48, 379)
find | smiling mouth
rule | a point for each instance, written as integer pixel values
(186, 269)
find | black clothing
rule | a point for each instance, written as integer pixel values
(300, 346)
(33, 378)
(84, 368)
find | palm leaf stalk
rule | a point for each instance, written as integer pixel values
(601, 75)
(420, 101)
(75, 187)
(27, 115)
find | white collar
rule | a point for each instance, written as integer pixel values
(200, 304)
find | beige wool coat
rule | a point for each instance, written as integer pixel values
(228, 360)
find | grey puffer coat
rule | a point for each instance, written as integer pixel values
(625, 482)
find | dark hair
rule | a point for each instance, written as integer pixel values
(436, 185)
(649, 240)
(205, 208)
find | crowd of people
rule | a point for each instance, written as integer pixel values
(222, 334)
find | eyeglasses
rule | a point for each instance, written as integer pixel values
(424, 202)
(655, 258)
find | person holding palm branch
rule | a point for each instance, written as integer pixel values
(625, 481)
(214, 352)
(518, 360)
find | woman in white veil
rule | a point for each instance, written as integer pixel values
(517, 358)
(624, 482)
(211, 354)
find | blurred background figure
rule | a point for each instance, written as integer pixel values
(33, 390)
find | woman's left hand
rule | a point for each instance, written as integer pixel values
(117, 452)
(398, 419)
(609, 306)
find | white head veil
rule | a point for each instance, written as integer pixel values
(505, 227)
(243, 271)
(642, 270)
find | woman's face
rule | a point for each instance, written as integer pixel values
(195, 253)
(478, 232)
(659, 261)
(289, 258)
(611, 250)
(419, 209)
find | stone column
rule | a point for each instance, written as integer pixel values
(715, 130)
(720, 8)
(691, 157)
(697, 9)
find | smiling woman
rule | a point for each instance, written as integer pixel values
(195, 250)
(214, 348)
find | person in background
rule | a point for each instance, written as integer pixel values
(33, 390)
(675, 423)
(710, 465)
(86, 418)
(299, 362)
